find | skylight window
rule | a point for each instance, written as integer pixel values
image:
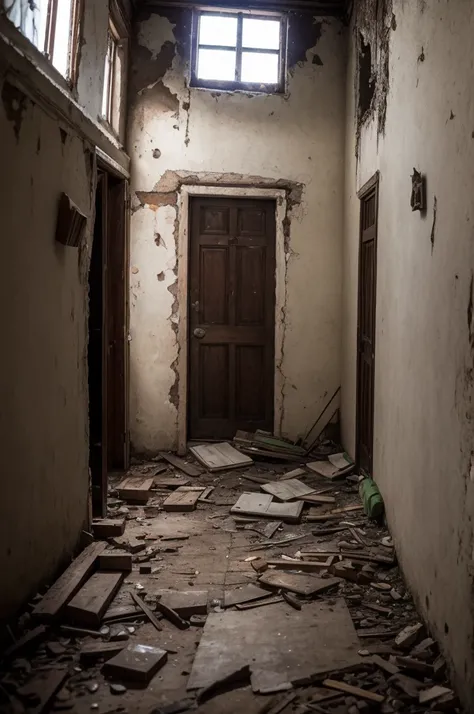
(239, 51)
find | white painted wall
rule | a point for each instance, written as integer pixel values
(424, 346)
(298, 139)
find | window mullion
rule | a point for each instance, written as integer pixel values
(51, 28)
(238, 57)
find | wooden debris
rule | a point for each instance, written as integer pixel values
(245, 594)
(171, 481)
(259, 565)
(384, 664)
(234, 680)
(185, 603)
(42, 689)
(439, 667)
(254, 478)
(279, 706)
(287, 490)
(295, 564)
(135, 489)
(108, 527)
(115, 561)
(220, 457)
(120, 613)
(144, 607)
(89, 605)
(409, 636)
(280, 543)
(68, 583)
(270, 528)
(316, 498)
(414, 665)
(69, 631)
(294, 473)
(271, 600)
(171, 615)
(297, 583)
(129, 543)
(291, 600)
(181, 501)
(204, 497)
(411, 687)
(353, 691)
(188, 469)
(137, 663)
(27, 643)
(433, 693)
(92, 651)
(262, 504)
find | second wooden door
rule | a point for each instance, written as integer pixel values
(231, 316)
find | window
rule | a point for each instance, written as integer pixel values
(239, 51)
(53, 26)
(112, 93)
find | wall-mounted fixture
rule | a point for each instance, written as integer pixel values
(418, 191)
(71, 222)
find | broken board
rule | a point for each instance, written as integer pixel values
(319, 638)
(295, 583)
(89, 605)
(220, 457)
(42, 689)
(262, 504)
(68, 583)
(185, 602)
(135, 488)
(248, 593)
(108, 527)
(188, 469)
(182, 500)
(171, 481)
(287, 490)
(136, 663)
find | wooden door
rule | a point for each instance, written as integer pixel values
(97, 352)
(117, 325)
(366, 327)
(231, 316)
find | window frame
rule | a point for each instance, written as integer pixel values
(237, 85)
(113, 41)
(73, 40)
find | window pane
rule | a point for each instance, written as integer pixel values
(262, 34)
(43, 14)
(259, 67)
(217, 30)
(62, 36)
(216, 64)
(107, 79)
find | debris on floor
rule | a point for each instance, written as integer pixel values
(253, 587)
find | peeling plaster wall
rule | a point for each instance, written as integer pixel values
(424, 333)
(177, 136)
(43, 385)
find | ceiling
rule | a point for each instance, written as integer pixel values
(314, 7)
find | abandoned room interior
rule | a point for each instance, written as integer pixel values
(237, 356)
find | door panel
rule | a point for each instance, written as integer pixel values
(232, 316)
(366, 328)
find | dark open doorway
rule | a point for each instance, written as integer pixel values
(108, 337)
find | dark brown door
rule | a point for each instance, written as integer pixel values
(231, 316)
(366, 331)
(117, 324)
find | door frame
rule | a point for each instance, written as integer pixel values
(279, 196)
(372, 184)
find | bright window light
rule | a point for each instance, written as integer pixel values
(260, 68)
(62, 36)
(216, 64)
(238, 51)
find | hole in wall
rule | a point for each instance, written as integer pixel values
(366, 80)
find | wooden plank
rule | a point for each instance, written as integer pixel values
(279, 456)
(323, 468)
(288, 512)
(354, 691)
(67, 585)
(115, 561)
(295, 583)
(314, 498)
(93, 651)
(136, 663)
(144, 607)
(135, 488)
(89, 605)
(220, 457)
(294, 473)
(42, 689)
(116, 612)
(287, 490)
(108, 527)
(318, 639)
(171, 615)
(28, 642)
(245, 594)
(181, 501)
(295, 564)
(171, 481)
(262, 504)
(185, 602)
(188, 469)
(271, 600)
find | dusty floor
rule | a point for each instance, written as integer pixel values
(213, 555)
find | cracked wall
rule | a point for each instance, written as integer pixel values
(182, 136)
(423, 441)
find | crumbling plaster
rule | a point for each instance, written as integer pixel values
(423, 439)
(182, 136)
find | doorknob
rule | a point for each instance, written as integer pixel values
(199, 333)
